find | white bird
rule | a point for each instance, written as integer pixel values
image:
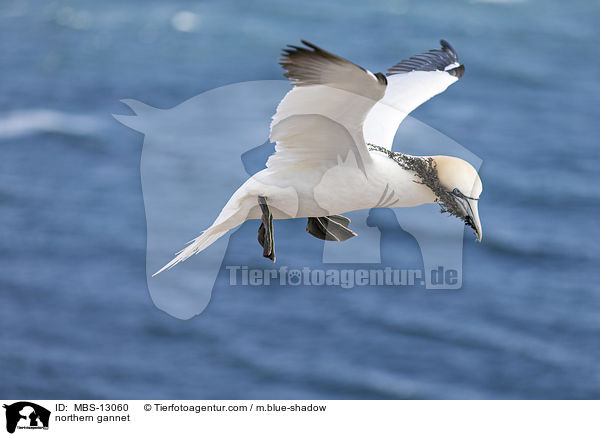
(333, 133)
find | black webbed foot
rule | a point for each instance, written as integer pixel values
(330, 228)
(265, 231)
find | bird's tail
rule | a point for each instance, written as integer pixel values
(233, 214)
(196, 245)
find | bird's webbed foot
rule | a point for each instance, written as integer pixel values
(330, 228)
(265, 231)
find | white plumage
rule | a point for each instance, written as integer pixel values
(322, 165)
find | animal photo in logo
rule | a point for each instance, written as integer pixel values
(26, 415)
(179, 191)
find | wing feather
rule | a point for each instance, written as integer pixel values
(411, 82)
(337, 95)
(442, 59)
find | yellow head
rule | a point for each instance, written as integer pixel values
(461, 180)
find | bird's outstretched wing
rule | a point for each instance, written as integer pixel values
(319, 122)
(411, 82)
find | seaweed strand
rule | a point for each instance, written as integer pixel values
(426, 171)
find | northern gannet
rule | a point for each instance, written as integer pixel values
(333, 133)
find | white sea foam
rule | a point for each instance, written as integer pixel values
(31, 121)
(185, 21)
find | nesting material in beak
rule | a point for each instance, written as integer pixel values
(469, 212)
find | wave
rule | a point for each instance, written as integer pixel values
(32, 121)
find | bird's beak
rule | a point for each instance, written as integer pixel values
(476, 224)
(472, 215)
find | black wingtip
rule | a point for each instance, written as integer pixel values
(308, 44)
(447, 47)
(290, 49)
(432, 60)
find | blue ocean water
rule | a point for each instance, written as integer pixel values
(75, 313)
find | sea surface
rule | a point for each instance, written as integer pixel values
(76, 317)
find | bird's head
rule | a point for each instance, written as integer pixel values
(461, 187)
